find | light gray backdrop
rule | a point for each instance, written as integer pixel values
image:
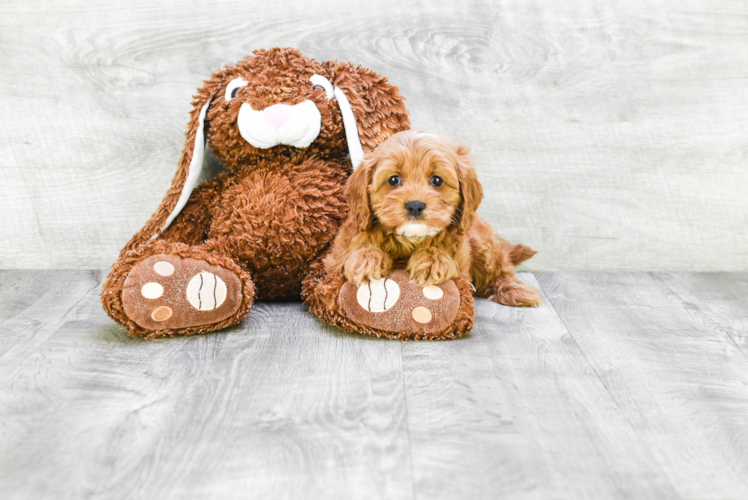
(607, 135)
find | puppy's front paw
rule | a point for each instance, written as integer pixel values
(431, 266)
(367, 264)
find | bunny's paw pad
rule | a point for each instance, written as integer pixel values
(403, 308)
(169, 292)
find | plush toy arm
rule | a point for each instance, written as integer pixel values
(192, 224)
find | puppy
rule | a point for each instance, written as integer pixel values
(413, 203)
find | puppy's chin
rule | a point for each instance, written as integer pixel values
(416, 230)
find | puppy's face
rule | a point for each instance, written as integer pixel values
(417, 185)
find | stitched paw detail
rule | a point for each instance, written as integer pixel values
(378, 295)
(206, 291)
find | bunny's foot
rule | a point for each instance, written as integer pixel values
(167, 292)
(393, 307)
(165, 289)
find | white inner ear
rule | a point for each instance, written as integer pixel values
(351, 129)
(196, 165)
(324, 83)
(355, 150)
(236, 83)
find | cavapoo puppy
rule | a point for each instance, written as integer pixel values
(413, 204)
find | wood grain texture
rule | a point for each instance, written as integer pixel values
(678, 380)
(619, 386)
(517, 411)
(722, 298)
(607, 134)
(281, 407)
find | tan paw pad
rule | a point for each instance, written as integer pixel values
(422, 315)
(161, 313)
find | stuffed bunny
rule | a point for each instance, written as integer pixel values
(289, 130)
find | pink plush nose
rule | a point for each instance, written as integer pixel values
(277, 114)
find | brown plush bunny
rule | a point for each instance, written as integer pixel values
(289, 130)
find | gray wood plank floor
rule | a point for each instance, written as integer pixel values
(623, 385)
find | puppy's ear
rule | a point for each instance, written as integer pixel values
(188, 170)
(470, 188)
(357, 192)
(378, 106)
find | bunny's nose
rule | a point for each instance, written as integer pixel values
(277, 114)
(415, 208)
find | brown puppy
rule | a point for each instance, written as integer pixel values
(413, 202)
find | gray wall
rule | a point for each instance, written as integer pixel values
(608, 135)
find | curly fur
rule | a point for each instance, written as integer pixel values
(276, 210)
(452, 240)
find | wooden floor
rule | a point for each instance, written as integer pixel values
(620, 386)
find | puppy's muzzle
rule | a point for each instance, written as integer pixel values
(415, 208)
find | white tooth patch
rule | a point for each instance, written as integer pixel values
(378, 295)
(206, 291)
(152, 290)
(163, 268)
(299, 129)
(433, 292)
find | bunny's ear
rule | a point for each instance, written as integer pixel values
(193, 169)
(378, 106)
(188, 172)
(355, 149)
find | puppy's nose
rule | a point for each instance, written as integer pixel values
(415, 208)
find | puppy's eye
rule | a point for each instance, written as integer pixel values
(318, 87)
(436, 181)
(394, 180)
(233, 92)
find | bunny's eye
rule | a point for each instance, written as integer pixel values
(320, 82)
(233, 87)
(394, 180)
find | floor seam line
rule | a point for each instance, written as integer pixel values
(96, 285)
(576, 343)
(645, 448)
(407, 424)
